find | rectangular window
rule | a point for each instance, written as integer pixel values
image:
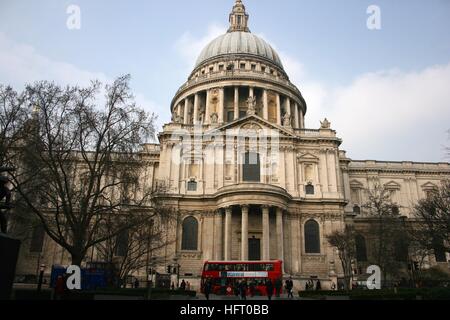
(253, 67)
(230, 116)
(192, 186)
(221, 67)
(252, 167)
(242, 65)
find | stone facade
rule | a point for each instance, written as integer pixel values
(238, 102)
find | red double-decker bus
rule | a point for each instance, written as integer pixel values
(225, 276)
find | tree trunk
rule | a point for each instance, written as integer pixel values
(77, 258)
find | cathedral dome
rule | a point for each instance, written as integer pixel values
(239, 43)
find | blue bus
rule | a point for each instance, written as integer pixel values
(96, 275)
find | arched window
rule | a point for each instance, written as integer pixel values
(189, 239)
(309, 189)
(361, 251)
(251, 167)
(312, 237)
(356, 210)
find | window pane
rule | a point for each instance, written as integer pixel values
(252, 168)
(309, 189)
(122, 244)
(361, 251)
(190, 234)
(37, 239)
(312, 237)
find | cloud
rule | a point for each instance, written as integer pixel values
(404, 115)
(21, 64)
(384, 115)
(189, 47)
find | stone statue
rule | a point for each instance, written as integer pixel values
(176, 118)
(287, 120)
(251, 105)
(214, 118)
(325, 124)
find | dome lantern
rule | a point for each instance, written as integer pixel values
(239, 18)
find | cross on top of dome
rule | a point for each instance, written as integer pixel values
(239, 18)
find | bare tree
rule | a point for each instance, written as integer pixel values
(13, 117)
(432, 230)
(132, 250)
(80, 162)
(344, 241)
(387, 232)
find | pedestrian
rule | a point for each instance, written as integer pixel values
(136, 283)
(333, 286)
(278, 286)
(318, 286)
(207, 289)
(243, 290)
(269, 289)
(59, 288)
(289, 287)
(252, 288)
(183, 285)
(188, 286)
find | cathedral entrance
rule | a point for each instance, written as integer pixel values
(254, 249)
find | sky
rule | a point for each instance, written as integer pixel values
(385, 91)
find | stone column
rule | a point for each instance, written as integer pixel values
(179, 111)
(221, 104)
(186, 111)
(218, 236)
(228, 216)
(280, 235)
(236, 103)
(251, 91)
(288, 106)
(302, 119)
(278, 109)
(265, 106)
(196, 102)
(244, 233)
(207, 112)
(266, 230)
(296, 115)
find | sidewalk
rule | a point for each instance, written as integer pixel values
(234, 298)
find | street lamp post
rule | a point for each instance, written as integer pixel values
(41, 277)
(150, 280)
(177, 265)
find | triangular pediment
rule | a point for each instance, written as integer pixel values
(308, 157)
(252, 122)
(355, 184)
(429, 186)
(392, 185)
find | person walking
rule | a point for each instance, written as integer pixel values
(289, 287)
(183, 285)
(318, 286)
(243, 290)
(278, 286)
(269, 289)
(207, 289)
